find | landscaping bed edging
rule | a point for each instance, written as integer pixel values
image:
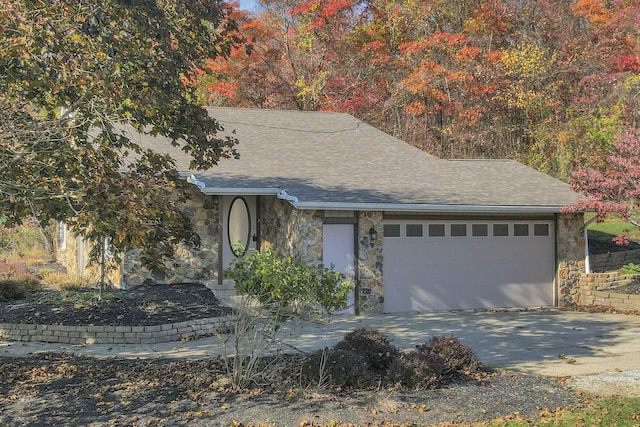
(78, 335)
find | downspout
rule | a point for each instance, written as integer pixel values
(587, 266)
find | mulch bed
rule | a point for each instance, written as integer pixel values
(145, 305)
(59, 389)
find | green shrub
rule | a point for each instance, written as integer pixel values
(343, 368)
(460, 360)
(273, 278)
(630, 268)
(373, 345)
(418, 370)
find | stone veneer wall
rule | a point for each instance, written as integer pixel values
(370, 263)
(600, 289)
(191, 264)
(292, 232)
(613, 260)
(298, 233)
(570, 256)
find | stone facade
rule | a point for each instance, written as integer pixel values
(370, 257)
(570, 256)
(190, 264)
(292, 232)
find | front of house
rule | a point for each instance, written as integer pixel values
(415, 232)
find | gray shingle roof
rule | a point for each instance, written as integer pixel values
(335, 160)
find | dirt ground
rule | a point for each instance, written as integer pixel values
(65, 390)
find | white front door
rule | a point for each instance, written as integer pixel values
(338, 251)
(239, 227)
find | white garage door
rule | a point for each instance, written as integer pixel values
(450, 265)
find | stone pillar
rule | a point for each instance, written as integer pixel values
(570, 256)
(370, 263)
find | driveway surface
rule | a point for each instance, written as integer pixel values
(600, 350)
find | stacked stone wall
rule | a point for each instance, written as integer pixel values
(79, 335)
(613, 260)
(601, 289)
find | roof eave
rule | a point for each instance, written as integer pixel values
(430, 208)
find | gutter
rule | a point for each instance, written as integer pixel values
(412, 207)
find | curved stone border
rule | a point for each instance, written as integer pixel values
(78, 335)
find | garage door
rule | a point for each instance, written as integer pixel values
(450, 265)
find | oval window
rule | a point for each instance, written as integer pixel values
(239, 226)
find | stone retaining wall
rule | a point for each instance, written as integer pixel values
(613, 260)
(600, 289)
(77, 335)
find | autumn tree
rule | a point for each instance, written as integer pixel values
(616, 188)
(73, 75)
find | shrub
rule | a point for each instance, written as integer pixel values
(373, 345)
(630, 268)
(273, 278)
(418, 370)
(65, 281)
(16, 282)
(459, 359)
(342, 368)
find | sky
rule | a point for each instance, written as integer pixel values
(248, 5)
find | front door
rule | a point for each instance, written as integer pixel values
(239, 227)
(338, 250)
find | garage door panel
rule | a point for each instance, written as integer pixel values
(461, 273)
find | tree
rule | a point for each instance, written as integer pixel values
(74, 74)
(616, 189)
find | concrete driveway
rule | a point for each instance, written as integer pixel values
(601, 347)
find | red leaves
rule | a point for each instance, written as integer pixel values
(617, 188)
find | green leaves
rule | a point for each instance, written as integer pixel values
(71, 74)
(273, 278)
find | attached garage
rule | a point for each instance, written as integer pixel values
(463, 264)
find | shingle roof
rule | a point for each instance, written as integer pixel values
(333, 159)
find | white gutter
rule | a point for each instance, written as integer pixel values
(399, 207)
(223, 191)
(587, 265)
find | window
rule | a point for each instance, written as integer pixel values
(479, 230)
(500, 230)
(62, 236)
(391, 230)
(520, 229)
(436, 230)
(458, 230)
(414, 230)
(540, 229)
(239, 227)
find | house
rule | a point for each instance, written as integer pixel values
(416, 232)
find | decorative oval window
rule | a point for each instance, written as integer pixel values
(239, 226)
